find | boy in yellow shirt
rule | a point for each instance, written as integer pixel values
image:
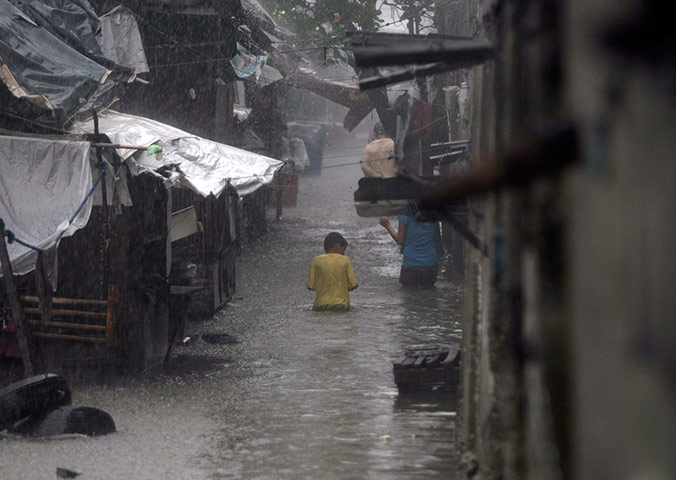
(331, 275)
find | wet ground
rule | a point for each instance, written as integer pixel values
(302, 394)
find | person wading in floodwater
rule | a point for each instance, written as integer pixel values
(331, 275)
(420, 244)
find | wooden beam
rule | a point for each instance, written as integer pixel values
(15, 302)
(62, 336)
(111, 318)
(76, 326)
(69, 313)
(67, 301)
(463, 52)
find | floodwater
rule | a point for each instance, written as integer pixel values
(302, 394)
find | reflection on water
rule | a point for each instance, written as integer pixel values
(302, 394)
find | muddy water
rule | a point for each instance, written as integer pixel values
(301, 395)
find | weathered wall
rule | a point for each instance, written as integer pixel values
(568, 349)
(623, 263)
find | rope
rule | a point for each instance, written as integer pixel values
(11, 238)
(102, 167)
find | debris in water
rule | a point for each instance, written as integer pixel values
(431, 368)
(66, 473)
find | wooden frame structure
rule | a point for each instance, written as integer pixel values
(76, 319)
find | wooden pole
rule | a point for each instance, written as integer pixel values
(15, 302)
(44, 288)
(280, 192)
(118, 145)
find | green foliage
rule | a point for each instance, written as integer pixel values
(321, 24)
(326, 17)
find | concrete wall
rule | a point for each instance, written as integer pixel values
(623, 262)
(569, 337)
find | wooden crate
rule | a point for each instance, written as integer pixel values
(428, 368)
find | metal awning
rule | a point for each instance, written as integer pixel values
(428, 55)
(186, 160)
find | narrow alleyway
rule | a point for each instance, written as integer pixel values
(301, 395)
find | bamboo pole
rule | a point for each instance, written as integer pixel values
(17, 312)
(280, 191)
(118, 145)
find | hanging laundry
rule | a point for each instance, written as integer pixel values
(421, 120)
(246, 63)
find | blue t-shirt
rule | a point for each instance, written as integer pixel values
(419, 245)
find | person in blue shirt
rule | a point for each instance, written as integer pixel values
(420, 243)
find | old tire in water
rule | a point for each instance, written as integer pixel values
(70, 419)
(31, 396)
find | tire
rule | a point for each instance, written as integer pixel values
(31, 396)
(69, 419)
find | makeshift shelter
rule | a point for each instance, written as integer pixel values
(168, 227)
(199, 164)
(52, 67)
(152, 226)
(208, 182)
(52, 197)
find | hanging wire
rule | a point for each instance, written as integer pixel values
(11, 237)
(102, 166)
(33, 122)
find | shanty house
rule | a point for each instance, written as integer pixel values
(119, 232)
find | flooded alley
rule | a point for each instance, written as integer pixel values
(170, 172)
(301, 394)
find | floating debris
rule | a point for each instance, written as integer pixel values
(428, 368)
(66, 473)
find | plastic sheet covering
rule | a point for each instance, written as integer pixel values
(120, 39)
(247, 63)
(187, 160)
(50, 57)
(42, 68)
(43, 182)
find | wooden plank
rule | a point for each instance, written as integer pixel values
(433, 360)
(453, 354)
(408, 362)
(67, 301)
(419, 361)
(77, 338)
(12, 293)
(111, 315)
(44, 287)
(184, 289)
(400, 360)
(69, 313)
(79, 326)
(183, 223)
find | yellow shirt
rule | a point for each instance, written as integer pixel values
(331, 277)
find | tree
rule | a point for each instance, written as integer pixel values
(321, 24)
(416, 13)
